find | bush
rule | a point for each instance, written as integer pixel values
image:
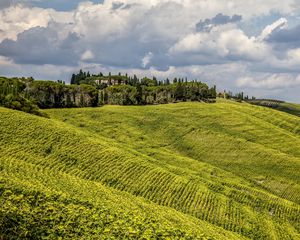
(17, 102)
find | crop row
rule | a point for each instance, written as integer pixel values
(52, 150)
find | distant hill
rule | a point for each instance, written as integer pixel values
(177, 171)
(290, 108)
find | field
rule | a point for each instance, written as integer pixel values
(179, 171)
(290, 108)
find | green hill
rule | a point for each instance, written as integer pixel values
(291, 108)
(178, 171)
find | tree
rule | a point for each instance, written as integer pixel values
(139, 94)
(179, 91)
(73, 78)
(109, 78)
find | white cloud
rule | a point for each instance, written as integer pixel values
(235, 43)
(16, 19)
(288, 62)
(270, 81)
(279, 24)
(5, 61)
(293, 56)
(126, 31)
(226, 42)
(152, 37)
(147, 59)
(208, 9)
(87, 55)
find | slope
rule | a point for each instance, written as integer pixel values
(47, 189)
(250, 141)
(193, 169)
(291, 108)
(228, 151)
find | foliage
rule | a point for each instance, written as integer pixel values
(49, 94)
(135, 91)
(157, 94)
(89, 91)
(11, 97)
(17, 102)
(120, 95)
(35, 215)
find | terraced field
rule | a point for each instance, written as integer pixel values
(189, 170)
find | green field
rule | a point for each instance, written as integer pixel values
(290, 108)
(178, 171)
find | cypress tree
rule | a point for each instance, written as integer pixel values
(73, 79)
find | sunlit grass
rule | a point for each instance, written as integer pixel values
(226, 170)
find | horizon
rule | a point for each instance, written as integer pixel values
(250, 47)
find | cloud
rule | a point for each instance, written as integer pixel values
(114, 34)
(16, 19)
(87, 55)
(294, 56)
(220, 19)
(45, 72)
(122, 33)
(156, 37)
(288, 63)
(281, 23)
(270, 81)
(224, 43)
(40, 45)
(146, 60)
(287, 38)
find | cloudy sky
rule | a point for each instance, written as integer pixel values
(251, 46)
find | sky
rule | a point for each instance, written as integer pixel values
(250, 46)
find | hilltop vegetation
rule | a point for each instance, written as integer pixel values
(187, 171)
(11, 97)
(28, 95)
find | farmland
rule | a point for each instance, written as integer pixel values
(178, 171)
(290, 108)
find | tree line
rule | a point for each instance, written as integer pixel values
(130, 90)
(86, 90)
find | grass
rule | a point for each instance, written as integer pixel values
(189, 170)
(290, 108)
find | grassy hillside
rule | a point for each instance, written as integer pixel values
(190, 170)
(290, 108)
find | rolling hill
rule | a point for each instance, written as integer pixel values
(290, 108)
(178, 171)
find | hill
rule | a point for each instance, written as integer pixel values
(290, 108)
(188, 170)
